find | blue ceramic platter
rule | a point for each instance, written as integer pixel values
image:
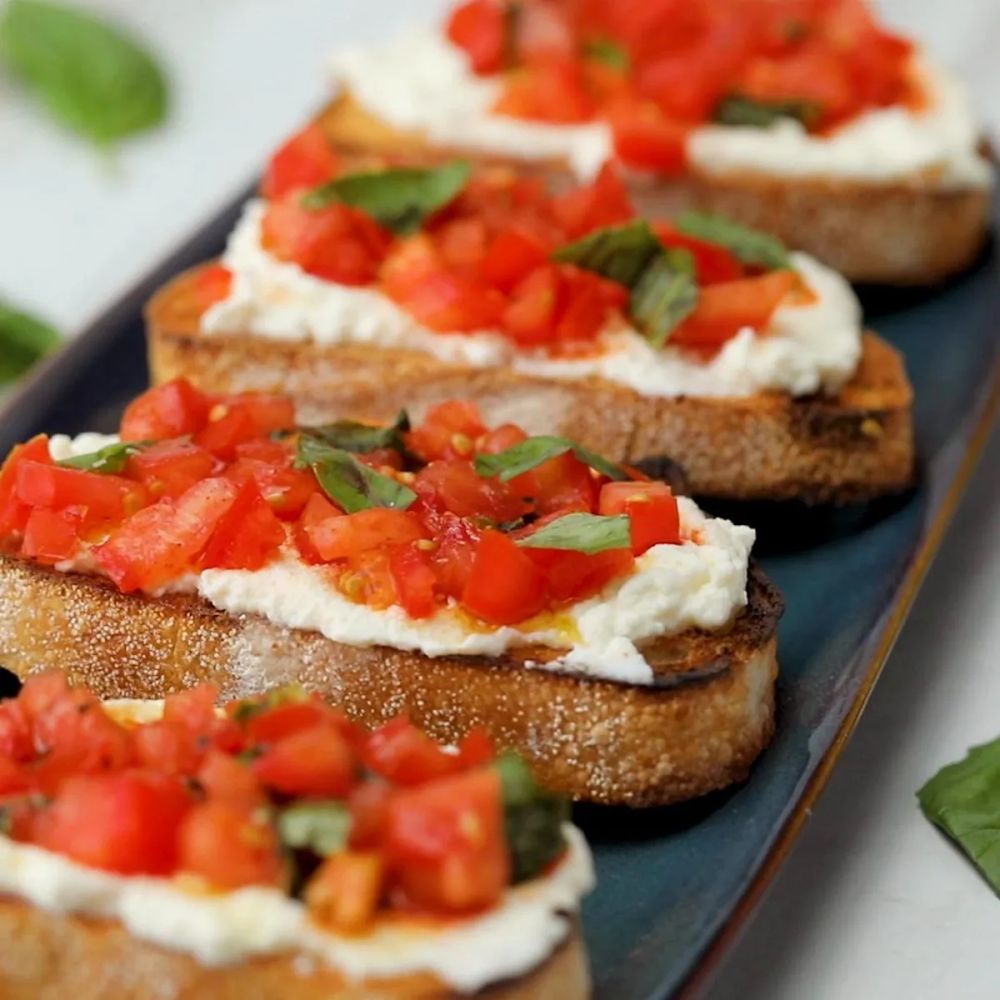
(675, 884)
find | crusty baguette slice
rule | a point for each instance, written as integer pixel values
(47, 956)
(769, 446)
(700, 728)
(894, 233)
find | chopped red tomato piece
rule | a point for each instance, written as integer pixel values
(50, 536)
(504, 585)
(98, 498)
(235, 420)
(225, 779)
(274, 724)
(170, 468)
(460, 489)
(712, 263)
(13, 511)
(446, 301)
(551, 90)
(479, 27)
(165, 411)
(247, 535)
(312, 762)
(341, 537)
(125, 823)
(512, 255)
(652, 511)
(344, 893)
(15, 733)
(605, 202)
(449, 430)
(644, 139)
(405, 755)
(317, 510)
(212, 284)
(306, 160)
(575, 576)
(167, 747)
(414, 581)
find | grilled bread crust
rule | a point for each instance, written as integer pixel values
(898, 233)
(698, 728)
(49, 956)
(852, 446)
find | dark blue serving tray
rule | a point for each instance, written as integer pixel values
(676, 884)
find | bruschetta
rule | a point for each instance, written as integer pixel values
(273, 849)
(805, 118)
(588, 618)
(361, 290)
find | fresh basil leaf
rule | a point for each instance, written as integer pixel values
(91, 76)
(321, 827)
(349, 435)
(665, 295)
(533, 819)
(738, 109)
(399, 198)
(963, 799)
(611, 54)
(750, 245)
(351, 484)
(532, 452)
(23, 340)
(580, 532)
(618, 253)
(110, 459)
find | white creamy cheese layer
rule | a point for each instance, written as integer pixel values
(701, 583)
(420, 82)
(225, 928)
(806, 348)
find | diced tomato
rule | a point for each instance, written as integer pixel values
(479, 28)
(462, 242)
(42, 690)
(551, 90)
(306, 160)
(170, 468)
(451, 559)
(286, 490)
(14, 780)
(605, 202)
(586, 299)
(15, 733)
(449, 430)
(475, 748)
(713, 263)
(562, 484)
(447, 302)
(725, 309)
(575, 576)
(166, 747)
(193, 709)
(444, 842)
(644, 139)
(369, 805)
(51, 536)
(14, 512)
(405, 755)
(504, 586)
(274, 724)
(652, 511)
(344, 536)
(460, 489)
(125, 823)
(223, 778)
(162, 542)
(344, 892)
(212, 284)
(500, 439)
(512, 255)
(543, 31)
(236, 420)
(414, 581)
(337, 243)
(246, 536)
(102, 498)
(317, 510)
(229, 846)
(533, 307)
(312, 762)
(165, 411)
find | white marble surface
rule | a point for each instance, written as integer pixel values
(872, 902)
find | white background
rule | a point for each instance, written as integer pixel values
(872, 902)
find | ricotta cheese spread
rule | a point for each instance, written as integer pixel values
(700, 583)
(420, 82)
(224, 928)
(806, 348)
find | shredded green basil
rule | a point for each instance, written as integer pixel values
(529, 454)
(582, 532)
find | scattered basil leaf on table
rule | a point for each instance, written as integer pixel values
(350, 435)
(611, 54)
(399, 198)
(665, 295)
(351, 484)
(109, 459)
(24, 339)
(751, 246)
(740, 110)
(580, 532)
(321, 827)
(963, 799)
(94, 78)
(533, 819)
(534, 451)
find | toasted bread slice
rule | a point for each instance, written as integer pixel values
(700, 726)
(894, 233)
(50, 956)
(852, 446)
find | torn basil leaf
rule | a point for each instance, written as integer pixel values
(751, 246)
(580, 532)
(611, 54)
(963, 799)
(24, 339)
(618, 253)
(400, 198)
(351, 484)
(749, 111)
(665, 295)
(109, 460)
(533, 819)
(532, 452)
(350, 435)
(321, 827)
